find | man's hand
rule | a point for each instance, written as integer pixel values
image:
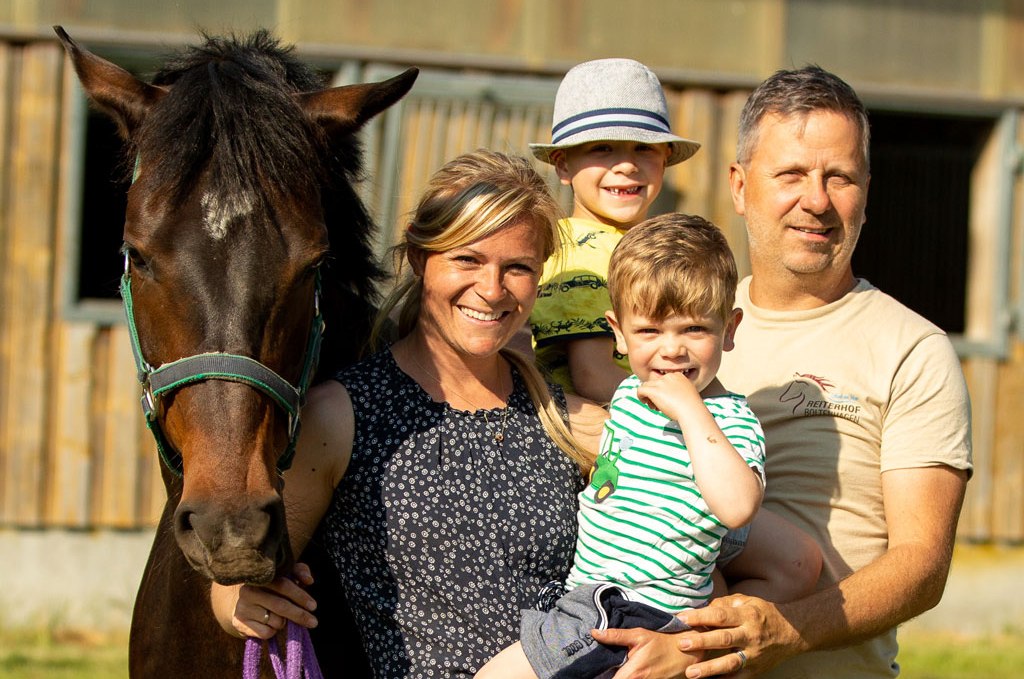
(739, 623)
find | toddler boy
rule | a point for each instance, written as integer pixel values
(681, 462)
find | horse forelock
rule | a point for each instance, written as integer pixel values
(230, 117)
(231, 136)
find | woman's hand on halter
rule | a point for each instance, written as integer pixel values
(262, 610)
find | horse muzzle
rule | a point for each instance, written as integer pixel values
(248, 545)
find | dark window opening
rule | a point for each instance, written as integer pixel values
(914, 244)
(104, 199)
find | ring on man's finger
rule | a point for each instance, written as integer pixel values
(743, 659)
(266, 618)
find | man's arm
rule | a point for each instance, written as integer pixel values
(922, 506)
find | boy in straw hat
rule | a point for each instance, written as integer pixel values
(610, 141)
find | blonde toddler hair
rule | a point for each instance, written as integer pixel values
(673, 264)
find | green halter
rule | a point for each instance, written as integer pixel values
(162, 380)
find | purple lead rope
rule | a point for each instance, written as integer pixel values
(299, 661)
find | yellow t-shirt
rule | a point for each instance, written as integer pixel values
(845, 392)
(573, 297)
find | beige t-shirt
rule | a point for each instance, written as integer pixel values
(845, 392)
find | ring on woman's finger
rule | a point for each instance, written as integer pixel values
(743, 659)
(266, 618)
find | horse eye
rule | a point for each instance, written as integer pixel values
(135, 257)
(319, 264)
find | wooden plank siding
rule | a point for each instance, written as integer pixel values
(74, 451)
(28, 277)
(119, 417)
(1007, 452)
(7, 53)
(695, 182)
(67, 490)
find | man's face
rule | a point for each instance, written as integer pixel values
(803, 194)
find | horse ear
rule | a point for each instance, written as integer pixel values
(115, 91)
(346, 109)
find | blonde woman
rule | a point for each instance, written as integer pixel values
(443, 469)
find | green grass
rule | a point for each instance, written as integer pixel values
(62, 655)
(56, 655)
(948, 656)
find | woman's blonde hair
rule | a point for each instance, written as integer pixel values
(470, 198)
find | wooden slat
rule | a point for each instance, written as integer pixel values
(483, 138)
(118, 473)
(456, 127)
(436, 155)
(695, 180)
(519, 134)
(151, 493)
(983, 253)
(723, 213)
(1008, 457)
(976, 518)
(6, 101)
(27, 270)
(67, 463)
(981, 512)
(67, 488)
(415, 157)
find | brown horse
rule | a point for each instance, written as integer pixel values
(242, 230)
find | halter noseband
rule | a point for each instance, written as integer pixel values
(165, 379)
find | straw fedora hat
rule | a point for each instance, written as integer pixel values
(612, 100)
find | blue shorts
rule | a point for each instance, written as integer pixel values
(558, 643)
(732, 544)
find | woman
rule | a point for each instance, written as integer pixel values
(433, 464)
(442, 468)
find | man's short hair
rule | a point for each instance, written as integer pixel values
(673, 264)
(799, 92)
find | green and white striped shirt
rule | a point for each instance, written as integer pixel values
(643, 523)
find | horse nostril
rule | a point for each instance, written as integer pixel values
(183, 521)
(274, 511)
(274, 524)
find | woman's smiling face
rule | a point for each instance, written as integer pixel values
(477, 296)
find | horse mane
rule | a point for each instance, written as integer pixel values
(231, 110)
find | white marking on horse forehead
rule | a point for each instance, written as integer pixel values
(220, 210)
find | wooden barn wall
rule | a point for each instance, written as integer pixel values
(74, 451)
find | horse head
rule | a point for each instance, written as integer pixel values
(238, 162)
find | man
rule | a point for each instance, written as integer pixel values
(863, 403)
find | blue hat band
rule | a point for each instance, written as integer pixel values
(609, 117)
